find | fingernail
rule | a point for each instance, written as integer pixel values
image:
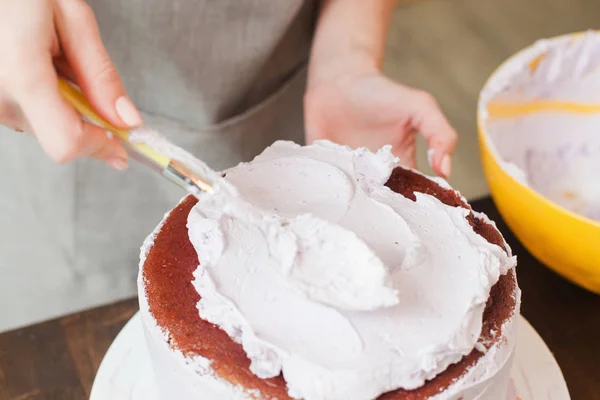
(118, 150)
(117, 163)
(445, 166)
(127, 112)
(430, 153)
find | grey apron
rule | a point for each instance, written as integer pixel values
(223, 79)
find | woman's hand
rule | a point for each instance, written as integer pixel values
(40, 39)
(349, 101)
(367, 109)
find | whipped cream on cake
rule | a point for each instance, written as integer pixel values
(326, 276)
(541, 112)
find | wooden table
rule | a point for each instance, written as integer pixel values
(58, 359)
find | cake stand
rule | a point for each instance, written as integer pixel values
(126, 372)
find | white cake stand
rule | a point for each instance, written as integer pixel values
(126, 373)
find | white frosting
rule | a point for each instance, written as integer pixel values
(556, 153)
(178, 376)
(157, 142)
(325, 275)
(192, 378)
(189, 378)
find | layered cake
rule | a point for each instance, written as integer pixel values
(326, 273)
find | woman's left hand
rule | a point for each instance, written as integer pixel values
(368, 109)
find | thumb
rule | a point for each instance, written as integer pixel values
(95, 73)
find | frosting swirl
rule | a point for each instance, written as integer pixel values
(327, 276)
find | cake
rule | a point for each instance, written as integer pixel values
(325, 273)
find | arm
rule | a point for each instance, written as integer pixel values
(350, 36)
(350, 101)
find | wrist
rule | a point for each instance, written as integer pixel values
(338, 65)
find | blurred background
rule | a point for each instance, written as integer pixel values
(450, 47)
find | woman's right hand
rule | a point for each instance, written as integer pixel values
(40, 39)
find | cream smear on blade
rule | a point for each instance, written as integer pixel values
(542, 116)
(324, 274)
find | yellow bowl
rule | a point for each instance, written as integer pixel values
(564, 241)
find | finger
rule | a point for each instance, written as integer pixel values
(409, 159)
(64, 69)
(57, 126)
(441, 138)
(11, 115)
(94, 72)
(110, 151)
(406, 150)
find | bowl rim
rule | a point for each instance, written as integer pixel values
(484, 136)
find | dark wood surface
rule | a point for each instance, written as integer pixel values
(59, 359)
